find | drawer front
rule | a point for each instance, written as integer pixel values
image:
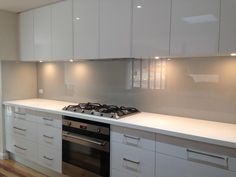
(168, 166)
(134, 138)
(132, 160)
(24, 148)
(50, 158)
(24, 129)
(50, 137)
(118, 173)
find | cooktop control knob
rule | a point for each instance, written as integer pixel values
(98, 130)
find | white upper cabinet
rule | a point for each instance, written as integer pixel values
(62, 31)
(86, 29)
(228, 27)
(42, 33)
(115, 28)
(26, 35)
(151, 28)
(195, 27)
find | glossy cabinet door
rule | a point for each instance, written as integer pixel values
(151, 28)
(195, 27)
(42, 33)
(86, 29)
(228, 27)
(115, 28)
(62, 31)
(26, 35)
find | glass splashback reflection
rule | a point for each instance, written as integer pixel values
(203, 88)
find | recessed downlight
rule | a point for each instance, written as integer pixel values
(157, 57)
(77, 18)
(71, 61)
(139, 7)
(233, 54)
(40, 61)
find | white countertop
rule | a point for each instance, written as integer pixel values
(222, 134)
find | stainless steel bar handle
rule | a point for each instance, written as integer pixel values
(21, 129)
(24, 149)
(47, 158)
(128, 160)
(19, 113)
(209, 155)
(131, 137)
(49, 137)
(83, 139)
(48, 119)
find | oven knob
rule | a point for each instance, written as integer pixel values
(98, 130)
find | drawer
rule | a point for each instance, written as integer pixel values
(181, 168)
(118, 173)
(25, 129)
(50, 158)
(132, 160)
(50, 137)
(135, 138)
(24, 148)
(51, 120)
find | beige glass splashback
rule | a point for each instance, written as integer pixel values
(203, 88)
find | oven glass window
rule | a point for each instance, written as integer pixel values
(86, 157)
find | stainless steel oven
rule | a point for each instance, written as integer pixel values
(86, 148)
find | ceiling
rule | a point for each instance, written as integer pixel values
(23, 5)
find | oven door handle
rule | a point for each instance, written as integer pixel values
(67, 134)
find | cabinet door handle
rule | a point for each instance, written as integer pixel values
(49, 137)
(135, 162)
(132, 137)
(47, 119)
(47, 158)
(21, 129)
(24, 149)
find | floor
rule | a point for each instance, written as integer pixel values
(10, 168)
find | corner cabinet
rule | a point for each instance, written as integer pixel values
(151, 28)
(228, 27)
(115, 28)
(195, 28)
(86, 29)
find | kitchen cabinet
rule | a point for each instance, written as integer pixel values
(228, 27)
(115, 28)
(195, 28)
(26, 35)
(151, 28)
(86, 29)
(179, 161)
(132, 153)
(42, 33)
(34, 136)
(62, 31)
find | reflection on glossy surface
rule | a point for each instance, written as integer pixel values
(194, 87)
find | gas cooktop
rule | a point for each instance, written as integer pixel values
(103, 110)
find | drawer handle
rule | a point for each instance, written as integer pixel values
(132, 137)
(47, 158)
(209, 155)
(49, 137)
(47, 119)
(19, 113)
(24, 149)
(127, 160)
(21, 129)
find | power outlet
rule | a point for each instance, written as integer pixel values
(41, 91)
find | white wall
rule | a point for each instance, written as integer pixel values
(8, 36)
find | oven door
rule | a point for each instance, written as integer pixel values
(85, 156)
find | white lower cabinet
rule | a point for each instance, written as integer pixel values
(50, 158)
(34, 136)
(168, 166)
(118, 173)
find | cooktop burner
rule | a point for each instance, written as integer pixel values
(103, 110)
